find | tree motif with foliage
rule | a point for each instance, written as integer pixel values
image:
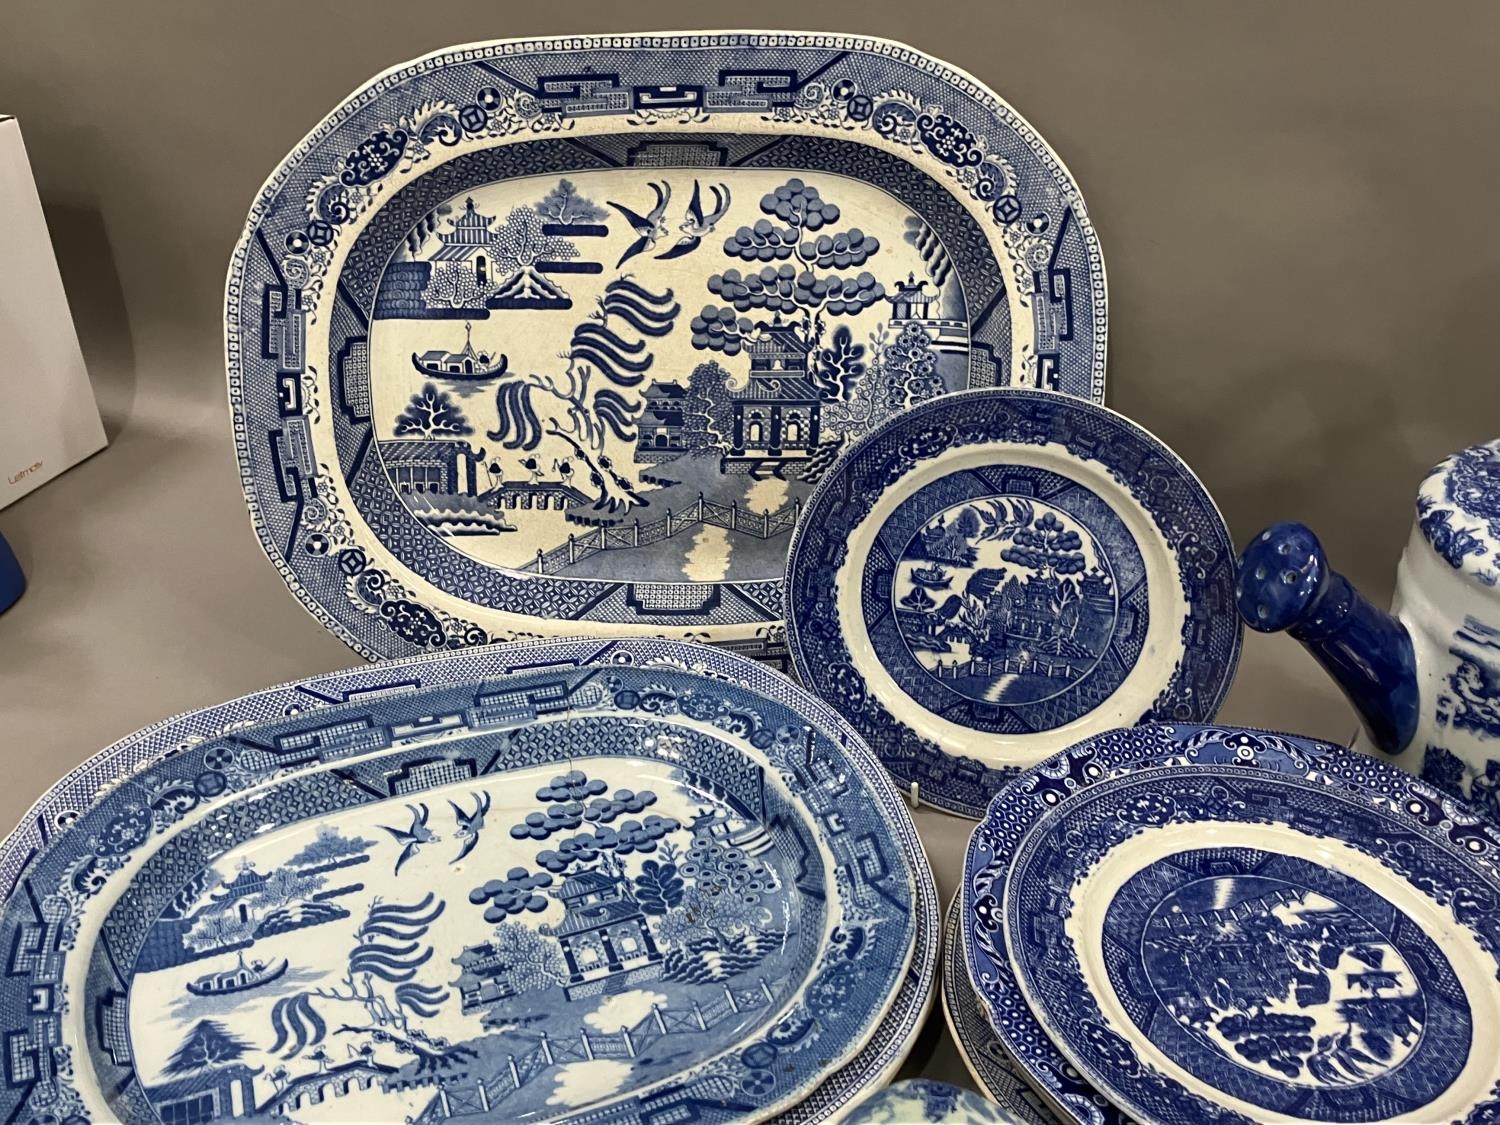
(455, 285)
(659, 887)
(911, 368)
(838, 367)
(713, 891)
(598, 391)
(800, 275)
(208, 1044)
(432, 413)
(1047, 546)
(707, 417)
(519, 243)
(863, 393)
(1385, 1021)
(287, 884)
(329, 845)
(218, 929)
(1270, 1038)
(716, 868)
(533, 964)
(952, 542)
(564, 205)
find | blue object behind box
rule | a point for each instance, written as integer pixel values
(12, 580)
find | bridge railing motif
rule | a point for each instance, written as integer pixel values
(467, 1098)
(1036, 664)
(730, 517)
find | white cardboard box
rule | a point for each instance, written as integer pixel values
(48, 418)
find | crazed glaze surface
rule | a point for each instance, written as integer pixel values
(395, 939)
(566, 330)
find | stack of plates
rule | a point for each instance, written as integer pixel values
(1204, 925)
(619, 881)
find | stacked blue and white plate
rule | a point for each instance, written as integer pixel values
(1193, 924)
(613, 881)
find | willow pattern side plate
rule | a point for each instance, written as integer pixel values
(994, 575)
(555, 336)
(407, 755)
(970, 1028)
(1249, 928)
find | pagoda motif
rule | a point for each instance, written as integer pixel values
(660, 427)
(468, 241)
(606, 941)
(912, 304)
(777, 415)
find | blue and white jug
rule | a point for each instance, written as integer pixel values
(1425, 678)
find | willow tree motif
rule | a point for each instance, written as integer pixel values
(597, 390)
(380, 976)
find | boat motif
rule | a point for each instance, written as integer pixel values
(932, 577)
(467, 365)
(242, 978)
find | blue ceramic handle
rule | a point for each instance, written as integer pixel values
(1285, 583)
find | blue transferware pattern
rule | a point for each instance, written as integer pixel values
(921, 1100)
(985, 1058)
(990, 575)
(1240, 926)
(401, 742)
(1458, 511)
(549, 335)
(1425, 678)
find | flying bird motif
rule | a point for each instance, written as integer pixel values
(470, 824)
(411, 839)
(648, 227)
(696, 226)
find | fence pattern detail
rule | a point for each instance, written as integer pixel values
(730, 517)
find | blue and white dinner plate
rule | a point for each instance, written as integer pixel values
(464, 890)
(992, 576)
(555, 336)
(984, 1058)
(1225, 926)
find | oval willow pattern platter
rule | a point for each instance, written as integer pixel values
(550, 336)
(922, 1101)
(1314, 941)
(969, 1026)
(163, 902)
(994, 575)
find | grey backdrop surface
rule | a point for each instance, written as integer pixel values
(1294, 201)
